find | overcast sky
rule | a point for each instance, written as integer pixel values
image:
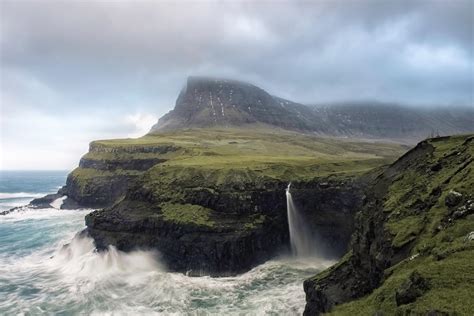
(76, 71)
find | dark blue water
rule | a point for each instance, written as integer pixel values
(19, 187)
(45, 269)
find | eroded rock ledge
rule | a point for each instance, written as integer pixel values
(227, 229)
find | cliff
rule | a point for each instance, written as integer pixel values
(214, 202)
(413, 244)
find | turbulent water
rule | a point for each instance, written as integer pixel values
(46, 268)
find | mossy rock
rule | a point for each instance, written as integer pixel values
(187, 214)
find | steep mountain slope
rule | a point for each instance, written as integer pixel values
(412, 251)
(208, 102)
(395, 121)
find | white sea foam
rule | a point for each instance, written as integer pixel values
(58, 202)
(18, 195)
(79, 259)
(27, 213)
(78, 279)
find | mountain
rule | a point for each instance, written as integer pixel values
(209, 102)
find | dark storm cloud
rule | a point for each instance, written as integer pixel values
(409, 51)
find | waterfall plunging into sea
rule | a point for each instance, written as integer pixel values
(47, 268)
(300, 236)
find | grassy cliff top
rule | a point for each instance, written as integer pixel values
(276, 153)
(430, 211)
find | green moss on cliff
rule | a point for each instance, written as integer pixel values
(85, 179)
(187, 214)
(271, 152)
(255, 221)
(226, 158)
(419, 219)
(451, 284)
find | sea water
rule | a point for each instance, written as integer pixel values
(46, 268)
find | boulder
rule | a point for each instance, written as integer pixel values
(414, 287)
(453, 198)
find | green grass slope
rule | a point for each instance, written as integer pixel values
(272, 152)
(429, 218)
(175, 164)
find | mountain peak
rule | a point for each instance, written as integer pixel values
(208, 102)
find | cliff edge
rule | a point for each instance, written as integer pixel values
(412, 251)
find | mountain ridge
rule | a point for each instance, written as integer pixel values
(212, 102)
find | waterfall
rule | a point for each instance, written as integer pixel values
(300, 236)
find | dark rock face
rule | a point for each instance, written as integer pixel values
(330, 207)
(196, 250)
(371, 250)
(236, 240)
(45, 201)
(139, 164)
(411, 289)
(98, 193)
(112, 171)
(394, 121)
(209, 102)
(453, 198)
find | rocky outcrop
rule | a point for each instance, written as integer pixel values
(107, 171)
(330, 205)
(409, 206)
(97, 191)
(111, 165)
(223, 246)
(47, 201)
(414, 287)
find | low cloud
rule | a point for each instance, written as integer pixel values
(141, 123)
(106, 69)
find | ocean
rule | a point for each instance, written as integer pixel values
(46, 268)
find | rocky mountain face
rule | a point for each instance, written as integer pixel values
(208, 102)
(413, 241)
(397, 122)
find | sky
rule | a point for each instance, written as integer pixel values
(75, 71)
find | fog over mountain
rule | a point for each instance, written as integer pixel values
(211, 102)
(110, 69)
